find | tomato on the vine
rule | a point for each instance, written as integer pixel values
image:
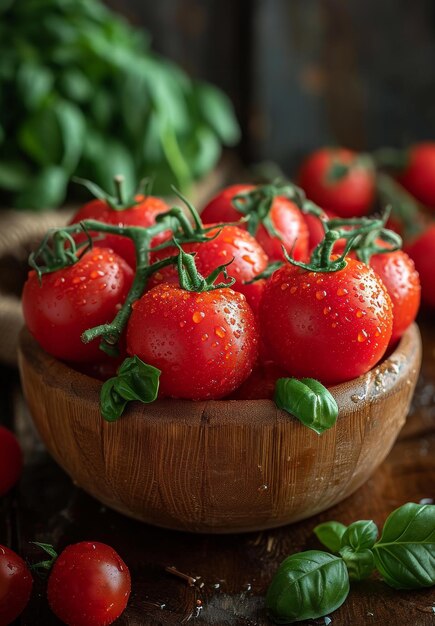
(249, 259)
(205, 344)
(89, 585)
(15, 586)
(332, 326)
(316, 230)
(143, 213)
(422, 251)
(418, 175)
(73, 299)
(11, 460)
(339, 180)
(286, 219)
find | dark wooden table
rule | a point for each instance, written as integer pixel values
(232, 572)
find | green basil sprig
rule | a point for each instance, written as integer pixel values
(306, 586)
(405, 553)
(314, 583)
(308, 400)
(135, 381)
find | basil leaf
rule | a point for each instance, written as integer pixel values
(135, 381)
(360, 563)
(330, 534)
(218, 111)
(309, 401)
(306, 586)
(45, 191)
(360, 535)
(405, 553)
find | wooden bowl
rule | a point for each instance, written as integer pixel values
(218, 466)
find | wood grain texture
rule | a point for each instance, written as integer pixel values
(219, 466)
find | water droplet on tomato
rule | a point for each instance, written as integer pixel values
(220, 331)
(198, 316)
(293, 289)
(327, 310)
(342, 291)
(204, 337)
(182, 324)
(362, 336)
(320, 295)
(284, 286)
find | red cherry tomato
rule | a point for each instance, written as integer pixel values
(329, 326)
(352, 195)
(418, 177)
(284, 214)
(11, 460)
(15, 586)
(205, 344)
(89, 585)
(142, 214)
(232, 243)
(261, 383)
(422, 252)
(397, 272)
(73, 299)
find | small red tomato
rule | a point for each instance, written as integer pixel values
(330, 326)
(11, 460)
(89, 585)
(142, 214)
(15, 586)
(231, 243)
(349, 192)
(205, 344)
(285, 216)
(73, 299)
(422, 252)
(418, 176)
(397, 272)
(261, 383)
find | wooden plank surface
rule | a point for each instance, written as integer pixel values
(233, 571)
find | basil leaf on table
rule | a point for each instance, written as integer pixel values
(330, 534)
(306, 586)
(405, 553)
(360, 563)
(360, 535)
(135, 381)
(308, 400)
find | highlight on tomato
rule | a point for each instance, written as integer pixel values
(271, 215)
(339, 180)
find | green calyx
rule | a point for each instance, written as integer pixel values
(338, 170)
(256, 204)
(191, 280)
(46, 565)
(121, 200)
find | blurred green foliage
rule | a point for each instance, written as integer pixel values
(82, 93)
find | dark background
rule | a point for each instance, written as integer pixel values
(303, 73)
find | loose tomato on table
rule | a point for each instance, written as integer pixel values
(339, 180)
(15, 585)
(89, 585)
(332, 325)
(73, 299)
(11, 460)
(226, 243)
(273, 219)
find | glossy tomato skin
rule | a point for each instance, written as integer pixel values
(422, 252)
(205, 344)
(231, 243)
(142, 214)
(11, 460)
(351, 196)
(73, 299)
(418, 177)
(15, 585)
(284, 214)
(397, 272)
(329, 326)
(89, 585)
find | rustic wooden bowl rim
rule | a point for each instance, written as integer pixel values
(349, 395)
